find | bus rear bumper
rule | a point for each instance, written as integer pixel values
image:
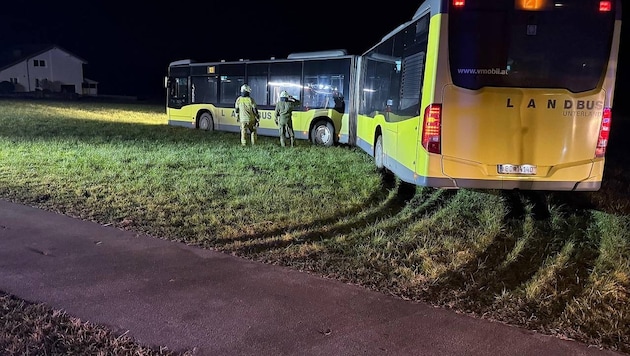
(576, 176)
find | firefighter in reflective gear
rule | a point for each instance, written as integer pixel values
(247, 114)
(284, 110)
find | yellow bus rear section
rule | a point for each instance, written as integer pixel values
(552, 130)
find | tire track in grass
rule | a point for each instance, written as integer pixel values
(425, 202)
(329, 228)
(449, 288)
(514, 268)
(493, 283)
(375, 200)
(568, 278)
(537, 301)
(343, 260)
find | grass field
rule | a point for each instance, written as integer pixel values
(557, 263)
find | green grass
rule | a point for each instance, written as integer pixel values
(327, 210)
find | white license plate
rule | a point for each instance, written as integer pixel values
(516, 169)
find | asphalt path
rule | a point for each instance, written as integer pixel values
(164, 293)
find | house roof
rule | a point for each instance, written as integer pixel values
(18, 53)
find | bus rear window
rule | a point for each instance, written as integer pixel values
(555, 44)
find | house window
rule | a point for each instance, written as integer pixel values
(39, 63)
(13, 80)
(37, 83)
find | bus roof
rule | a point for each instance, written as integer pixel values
(298, 55)
(318, 54)
(180, 62)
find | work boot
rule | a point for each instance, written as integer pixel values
(282, 141)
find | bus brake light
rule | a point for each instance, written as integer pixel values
(432, 128)
(604, 132)
(459, 3)
(605, 6)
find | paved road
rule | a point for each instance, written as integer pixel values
(169, 294)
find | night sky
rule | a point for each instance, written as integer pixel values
(128, 47)
(129, 44)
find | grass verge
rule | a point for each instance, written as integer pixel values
(558, 263)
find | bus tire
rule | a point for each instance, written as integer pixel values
(379, 156)
(323, 134)
(205, 122)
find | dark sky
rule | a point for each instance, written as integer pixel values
(128, 44)
(128, 47)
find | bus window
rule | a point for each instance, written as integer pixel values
(257, 74)
(259, 89)
(564, 46)
(325, 82)
(381, 76)
(231, 88)
(232, 76)
(324, 91)
(204, 89)
(285, 76)
(394, 71)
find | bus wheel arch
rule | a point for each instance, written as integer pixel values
(322, 132)
(379, 153)
(205, 121)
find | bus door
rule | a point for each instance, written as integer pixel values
(177, 97)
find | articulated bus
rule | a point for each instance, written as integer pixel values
(202, 95)
(482, 94)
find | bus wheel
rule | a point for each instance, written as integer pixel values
(205, 122)
(323, 134)
(379, 159)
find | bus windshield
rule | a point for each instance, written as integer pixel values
(532, 44)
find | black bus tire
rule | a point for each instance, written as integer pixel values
(323, 134)
(206, 123)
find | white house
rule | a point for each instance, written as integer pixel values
(44, 67)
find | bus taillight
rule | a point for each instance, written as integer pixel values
(459, 3)
(604, 132)
(432, 129)
(605, 6)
